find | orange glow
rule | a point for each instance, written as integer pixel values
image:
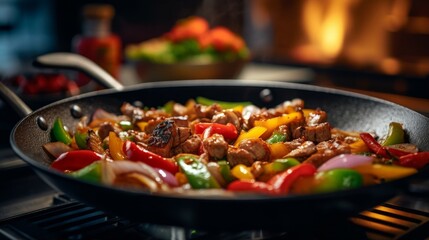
(325, 23)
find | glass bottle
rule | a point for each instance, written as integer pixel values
(97, 42)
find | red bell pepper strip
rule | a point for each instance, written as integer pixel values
(250, 186)
(282, 182)
(396, 152)
(414, 160)
(228, 130)
(373, 145)
(75, 160)
(139, 154)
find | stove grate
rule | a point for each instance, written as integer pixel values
(68, 219)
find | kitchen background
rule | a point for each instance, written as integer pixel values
(376, 47)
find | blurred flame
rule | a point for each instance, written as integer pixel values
(325, 23)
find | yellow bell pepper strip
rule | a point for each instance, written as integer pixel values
(134, 152)
(337, 179)
(358, 146)
(59, 133)
(228, 131)
(283, 181)
(272, 123)
(196, 172)
(90, 173)
(395, 134)
(223, 104)
(254, 132)
(225, 171)
(75, 160)
(250, 186)
(386, 172)
(115, 147)
(142, 125)
(373, 145)
(414, 160)
(242, 171)
(278, 150)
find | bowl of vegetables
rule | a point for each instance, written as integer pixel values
(190, 50)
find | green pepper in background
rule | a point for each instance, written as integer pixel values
(225, 171)
(126, 125)
(224, 105)
(196, 172)
(59, 133)
(337, 179)
(395, 134)
(90, 173)
(81, 139)
(279, 165)
(168, 107)
(276, 137)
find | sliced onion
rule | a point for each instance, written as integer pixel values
(345, 161)
(55, 149)
(115, 168)
(167, 177)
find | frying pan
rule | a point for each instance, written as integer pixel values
(348, 111)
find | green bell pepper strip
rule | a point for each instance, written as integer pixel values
(225, 171)
(395, 134)
(81, 139)
(224, 105)
(196, 172)
(126, 125)
(337, 179)
(280, 165)
(90, 173)
(276, 137)
(75, 160)
(59, 133)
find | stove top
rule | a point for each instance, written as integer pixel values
(30, 209)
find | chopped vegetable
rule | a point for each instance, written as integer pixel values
(282, 182)
(345, 161)
(337, 179)
(90, 173)
(414, 160)
(59, 133)
(196, 172)
(223, 104)
(395, 135)
(75, 160)
(139, 154)
(385, 172)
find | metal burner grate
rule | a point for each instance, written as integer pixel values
(68, 219)
(391, 221)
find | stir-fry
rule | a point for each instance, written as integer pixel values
(230, 147)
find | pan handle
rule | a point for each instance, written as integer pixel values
(14, 101)
(74, 61)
